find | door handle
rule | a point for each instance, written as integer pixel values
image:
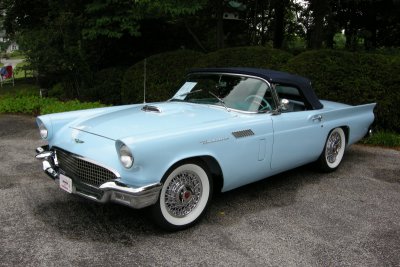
(317, 118)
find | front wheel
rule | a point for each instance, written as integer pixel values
(184, 197)
(333, 151)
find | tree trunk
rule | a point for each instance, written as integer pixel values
(279, 22)
(371, 27)
(220, 24)
(320, 10)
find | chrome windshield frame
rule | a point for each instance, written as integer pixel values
(272, 89)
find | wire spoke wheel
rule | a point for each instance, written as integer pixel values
(332, 155)
(184, 197)
(183, 194)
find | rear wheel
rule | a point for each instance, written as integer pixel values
(332, 155)
(184, 197)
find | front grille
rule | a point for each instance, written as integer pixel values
(82, 170)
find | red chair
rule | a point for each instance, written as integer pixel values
(6, 75)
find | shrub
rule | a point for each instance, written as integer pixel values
(24, 104)
(57, 91)
(249, 56)
(35, 105)
(58, 106)
(354, 78)
(382, 138)
(164, 72)
(106, 86)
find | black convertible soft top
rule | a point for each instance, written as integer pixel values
(273, 76)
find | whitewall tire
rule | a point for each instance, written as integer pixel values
(185, 195)
(333, 152)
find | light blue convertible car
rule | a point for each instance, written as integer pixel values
(224, 128)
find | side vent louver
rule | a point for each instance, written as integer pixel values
(148, 108)
(244, 133)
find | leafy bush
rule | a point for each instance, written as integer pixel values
(382, 138)
(35, 105)
(106, 86)
(58, 106)
(354, 78)
(249, 56)
(57, 91)
(164, 74)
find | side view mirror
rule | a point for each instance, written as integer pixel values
(284, 104)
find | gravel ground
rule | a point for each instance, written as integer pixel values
(298, 218)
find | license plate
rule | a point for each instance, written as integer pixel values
(65, 183)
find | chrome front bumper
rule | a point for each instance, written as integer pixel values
(111, 191)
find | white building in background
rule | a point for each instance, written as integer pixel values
(13, 46)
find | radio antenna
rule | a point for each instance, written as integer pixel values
(144, 80)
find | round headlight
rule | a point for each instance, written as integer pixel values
(125, 156)
(43, 130)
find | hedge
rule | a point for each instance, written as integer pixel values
(106, 86)
(354, 78)
(36, 105)
(249, 56)
(164, 74)
(166, 71)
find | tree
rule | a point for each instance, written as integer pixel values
(66, 41)
(115, 18)
(319, 9)
(280, 7)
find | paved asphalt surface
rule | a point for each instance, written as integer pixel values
(299, 218)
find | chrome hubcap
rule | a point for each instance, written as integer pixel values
(183, 194)
(333, 147)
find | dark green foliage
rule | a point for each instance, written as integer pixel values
(354, 78)
(250, 56)
(382, 138)
(115, 18)
(35, 105)
(165, 72)
(106, 86)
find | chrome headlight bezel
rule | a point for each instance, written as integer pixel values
(43, 131)
(125, 155)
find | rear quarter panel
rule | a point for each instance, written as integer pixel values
(358, 119)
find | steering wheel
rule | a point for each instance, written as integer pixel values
(259, 100)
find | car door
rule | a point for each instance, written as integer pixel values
(299, 135)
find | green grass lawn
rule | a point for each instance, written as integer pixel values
(21, 71)
(16, 55)
(22, 87)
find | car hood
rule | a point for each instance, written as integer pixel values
(151, 118)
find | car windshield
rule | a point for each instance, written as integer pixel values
(231, 91)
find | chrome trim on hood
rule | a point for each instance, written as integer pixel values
(148, 108)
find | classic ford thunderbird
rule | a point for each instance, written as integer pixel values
(224, 128)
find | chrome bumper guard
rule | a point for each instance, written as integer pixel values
(112, 191)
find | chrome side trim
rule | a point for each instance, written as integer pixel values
(243, 133)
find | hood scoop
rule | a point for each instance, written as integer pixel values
(148, 108)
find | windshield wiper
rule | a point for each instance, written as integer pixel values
(220, 100)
